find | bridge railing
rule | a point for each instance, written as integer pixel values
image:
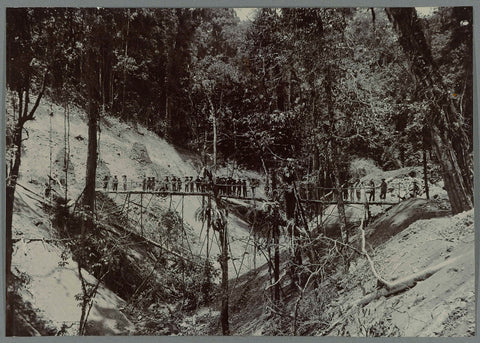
(396, 192)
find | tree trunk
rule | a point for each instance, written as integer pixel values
(425, 169)
(10, 198)
(446, 122)
(125, 64)
(458, 195)
(276, 266)
(224, 266)
(335, 156)
(93, 107)
(276, 241)
(214, 121)
(12, 177)
(214, 124)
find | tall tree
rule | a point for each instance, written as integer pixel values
(450, 141)
(98, 44)
(22, 75)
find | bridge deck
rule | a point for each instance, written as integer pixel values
(314, 201)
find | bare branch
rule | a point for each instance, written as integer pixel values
(30, 115)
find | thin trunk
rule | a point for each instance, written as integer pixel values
(425, 169)
(11, 183)
(10, 198)
(276, 267)
(335, 155)
(125, 64)
(224, 266)
(214, 124)
(276, 241)
(214, 120)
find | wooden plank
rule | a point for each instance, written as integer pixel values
(385, 203)
(166, 193)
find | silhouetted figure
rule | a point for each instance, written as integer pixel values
(350, 190)
(383, 190)
(358, 189)
(415, 189)
(105, 182)
(197, 183)
(115, 183)
(166, 184)
(124, 180)
(252, 186)
(179, 184)
(371, 190)
(174, 183)
(187, 184)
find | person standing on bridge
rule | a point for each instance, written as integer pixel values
(179, 184)
(191, 182)
(383, 190)
(415, 189)
(197, 184)
(351, 189)
(187, 184)
(253, 184)
(371, 186)
(115, 183)
(124, 180)
(105, 182)
(244, 186)
(358, 189)
(238, 186)
(165, 184)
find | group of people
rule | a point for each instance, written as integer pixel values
(224, 185)
(355, 187)
(174, 184)
(232, 187)
(106, 180)
(354, 190)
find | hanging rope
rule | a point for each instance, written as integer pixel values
(183, 228)
(65, 156)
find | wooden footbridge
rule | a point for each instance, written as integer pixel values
(136, 204)
(246, 198)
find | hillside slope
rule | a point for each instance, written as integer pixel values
(401, 241)
(441, 305)
(124, 150)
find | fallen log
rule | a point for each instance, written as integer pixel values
(388, 288)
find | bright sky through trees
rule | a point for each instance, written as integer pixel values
(247, 13)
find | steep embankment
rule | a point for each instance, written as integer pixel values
(441, 305)
(123, 150)
(402, 242)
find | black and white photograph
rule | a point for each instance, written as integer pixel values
(265, 171)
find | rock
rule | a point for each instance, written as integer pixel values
(59, 167)
(139, 153)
